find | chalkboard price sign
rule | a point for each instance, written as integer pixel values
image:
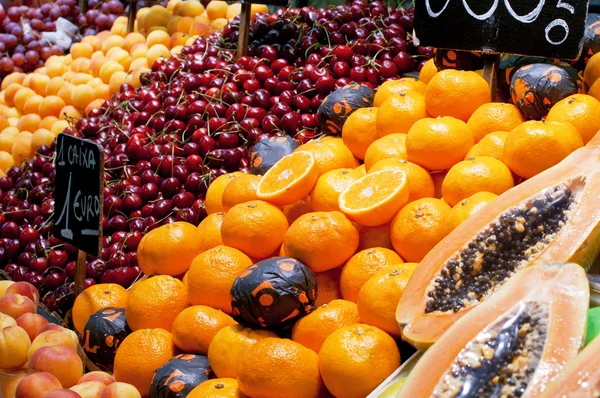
(548, 28)
(78, 193)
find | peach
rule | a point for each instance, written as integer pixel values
(14, 344)
(6, 321)
(49, 326)
(97, 376)
(37, 385)
(16, 305)
(25, 288)
(89, 389)
(61, 361)
(120, 390)
(62, 394)
(5, 284)
(31, 323)
(64, 337)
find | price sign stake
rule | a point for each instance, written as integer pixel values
(78, 198)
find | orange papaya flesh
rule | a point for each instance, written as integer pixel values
(580, 378)
(513, 344)
(552, 217)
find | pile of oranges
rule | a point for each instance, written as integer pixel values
(361, 211)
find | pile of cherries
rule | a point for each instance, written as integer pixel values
(196, 116)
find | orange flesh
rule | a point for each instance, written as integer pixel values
(372, 190)
(577, 241)
(289, 171)
(563, 289)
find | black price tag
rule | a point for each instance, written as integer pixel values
(547, 28)
(78, 194)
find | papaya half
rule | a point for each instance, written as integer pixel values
(580, 378)
(553, 217)
(514, 344)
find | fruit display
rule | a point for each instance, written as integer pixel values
(298, 220)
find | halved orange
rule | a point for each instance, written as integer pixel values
(289, 180)
(375, 198)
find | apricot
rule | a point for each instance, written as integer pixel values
(82, 95)
(4, 284)
(31, 323)
(59, 126)
(157, 51)
(81, 78)
(219, 23)
(119, 29)
(29, 122)
(109, 67)
(6, 321)
(15, 77)
(7, 140)
(51, 106)
(70, 111)
(21, 149)
(136, 63)
(176, 50)
(62, 394)
(41, 137)
(97, 375)
(116, 80)
(138, 51)
(172, 24)
(50, 326)
(92, 40)
(65, 92)
(14, 344)
(38, 83)
(48, 122)
(32, 105)
(61, 361)
(97, 103)
(132, 39)
(15, 305)
(102, 93)
(89, 389)
(9, 93)
(120, 390)
(200, 29)
(122, 57)
(50, 338)
(36, 385)
(96, 64)
(55, 69)
(185, 24)
(25, 288)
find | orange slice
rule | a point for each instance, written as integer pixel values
(289, 180)
(375, 198)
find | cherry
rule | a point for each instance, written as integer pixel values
(55, 279)
(404, 62)
(38, 264)
(132, 201)
(57, 258)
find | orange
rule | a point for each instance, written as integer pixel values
(312, 330)
(295, 210)
(321, 240)
(456, 93)
(239, 190)
(140, 354)
(399, 112)
(469, 206)
(378, 236)
(419, 226)
(390, 88)
(362, 266)
(275, 367)
(359, 132)
(6, 160)
(592, 70)
(229, 345)
(196, 326)
(95, 298)
(329, 286)
(420, 183)
(594, 90)
(428, 71)
(474, 175)
(32, 105)
(41, 137)
(438, 144)
(209, 231)
(375, 198)
(214, 9)
(155, 303)
(21, 149)
(356, 359)
(10, 92)
(216, 388)
(289, 180)
(535, 146)
(327, 190)
(491, 145)
(391, 146)
(582, 111)
(379, 296)
(82, 95)
(495, 116)
(212, 274)
(169, 249)
(256, 228)
(51, 106)
(330, 153)
(213, 201)
(361, 170)
(29, 122)
(438, 181)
